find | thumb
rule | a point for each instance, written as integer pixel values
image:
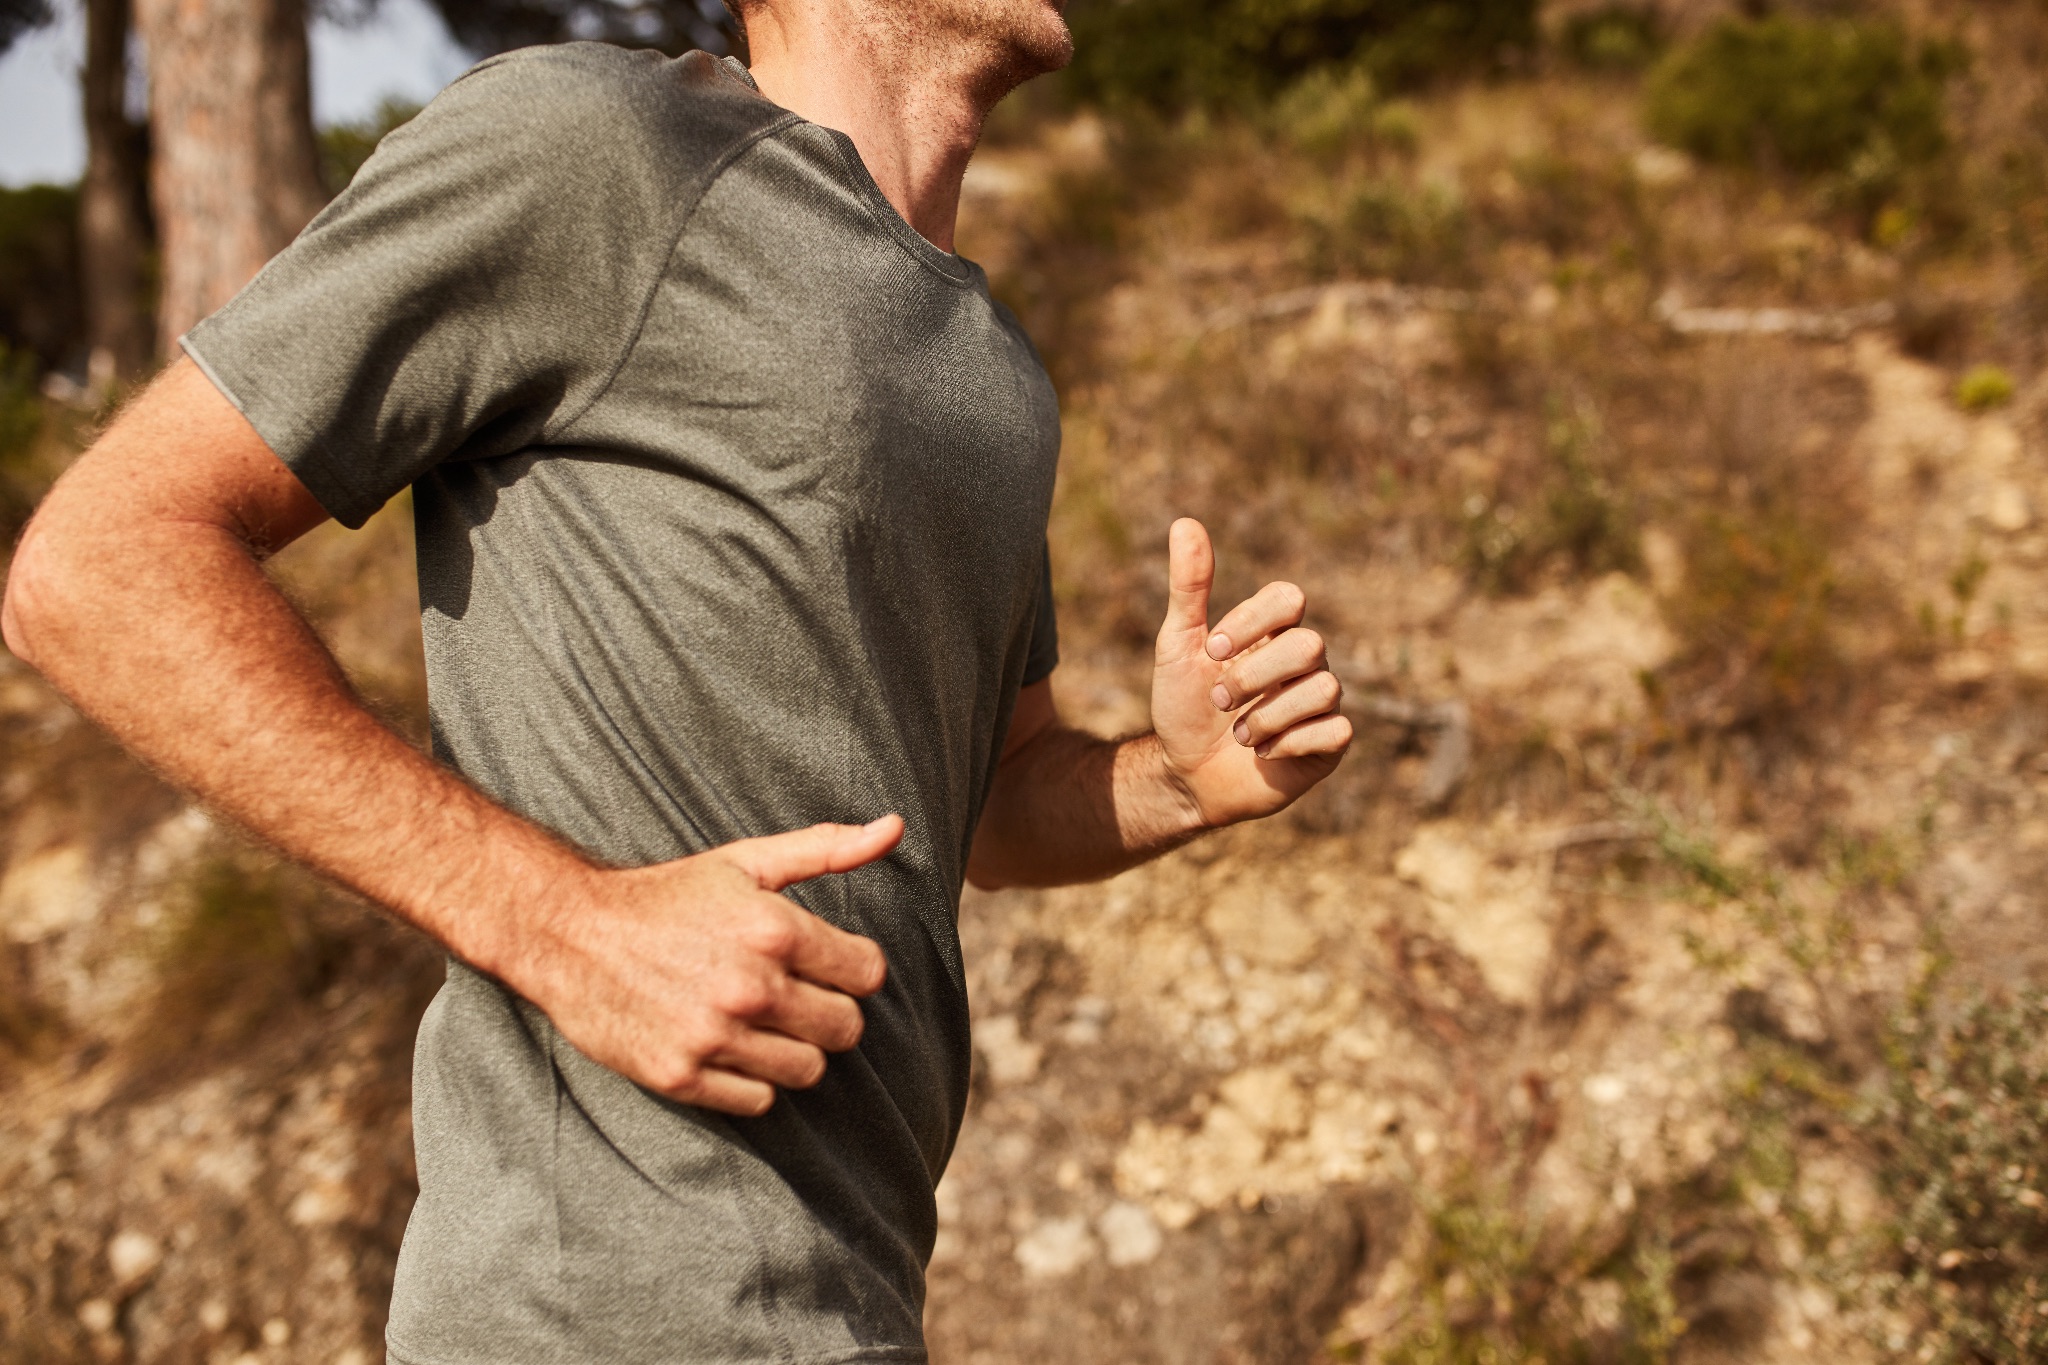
(778, 860)
(1190, 570)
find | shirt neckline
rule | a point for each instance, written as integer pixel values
(947, 265)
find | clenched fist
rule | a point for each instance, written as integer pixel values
(697, 980)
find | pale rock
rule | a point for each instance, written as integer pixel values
(1995, 445)
(320, 1204)
(1665, 559)
(1261, 924)
(1500, 918)
(1010, 1057)
(277, 1332)
(47, 893)
(1605, 1089)
(1570, 658)
(1268, 1099)
(96, 1315)
(1130, 1235)
(1055, 1248)
(1964, 669)
(133, 1256)
(213, 1315)
(2006, 508)
(1662, 167)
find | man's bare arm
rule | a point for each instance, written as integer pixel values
(1245, 719)
(138, 591)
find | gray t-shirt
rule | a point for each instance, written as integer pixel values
(731, 495)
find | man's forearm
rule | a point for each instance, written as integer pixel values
(1068, 806)
(167, 632)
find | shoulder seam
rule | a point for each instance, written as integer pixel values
(718, 168)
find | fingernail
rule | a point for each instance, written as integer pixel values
(1221, 696)
(1242, 731)
(1219, 646)
(1264, 751)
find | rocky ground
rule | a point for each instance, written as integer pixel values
(1459, 1057)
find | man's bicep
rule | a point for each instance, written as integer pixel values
(183, 452)
(1035, 714)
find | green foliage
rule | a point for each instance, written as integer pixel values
(344, 147)
(1809, 95)
(243, 945)
(1495, 1290)
(1617, 37)
(1960, 1127)
(39, 300)
(1984, 387)
(1171, 54)
(1577, 520)
(21, 406)
(1389, 227)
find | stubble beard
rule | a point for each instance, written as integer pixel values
(1001, 43)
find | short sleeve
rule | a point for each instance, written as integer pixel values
(483, 277)
(1044, 655)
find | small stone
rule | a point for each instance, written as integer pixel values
(1011, 1058)
(213, 1315)
(1605, 1089)
(1130, 1235)
(133, 1256)
(2007, 509)
(97, 1315)
(277, 1332)
(1964, 669)
(1055, 1248)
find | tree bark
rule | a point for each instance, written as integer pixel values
(235, 170)
(113, 229)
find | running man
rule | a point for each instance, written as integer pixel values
(731, 485)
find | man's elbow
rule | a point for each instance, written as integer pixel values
(36, 585)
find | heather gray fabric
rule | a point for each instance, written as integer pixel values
(731, 496)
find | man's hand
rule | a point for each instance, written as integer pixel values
(695, 979)
(1244, 720)
(1245, 713)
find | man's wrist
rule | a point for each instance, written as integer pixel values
(1155, 805)
(519, 913)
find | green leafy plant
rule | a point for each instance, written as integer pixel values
(1960, 1128)
(1984, 387)
(1619, 37)
(344, 147)
(1808, 95)
(1171, 54)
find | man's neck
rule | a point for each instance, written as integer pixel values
(912, 100)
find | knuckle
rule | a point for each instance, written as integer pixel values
(773, 931)
(675, 1075)
(745, 996)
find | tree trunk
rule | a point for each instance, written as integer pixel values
(113, 231)
(235, 172)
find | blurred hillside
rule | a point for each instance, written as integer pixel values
(1653, 408)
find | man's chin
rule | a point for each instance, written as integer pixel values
(1045, 45)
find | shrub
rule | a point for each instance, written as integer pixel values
(344, 147)
(1809, 95)
(1984, 387)
(1174, 53)
(1961, 1132)
(1613, 38)
(40, 309)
